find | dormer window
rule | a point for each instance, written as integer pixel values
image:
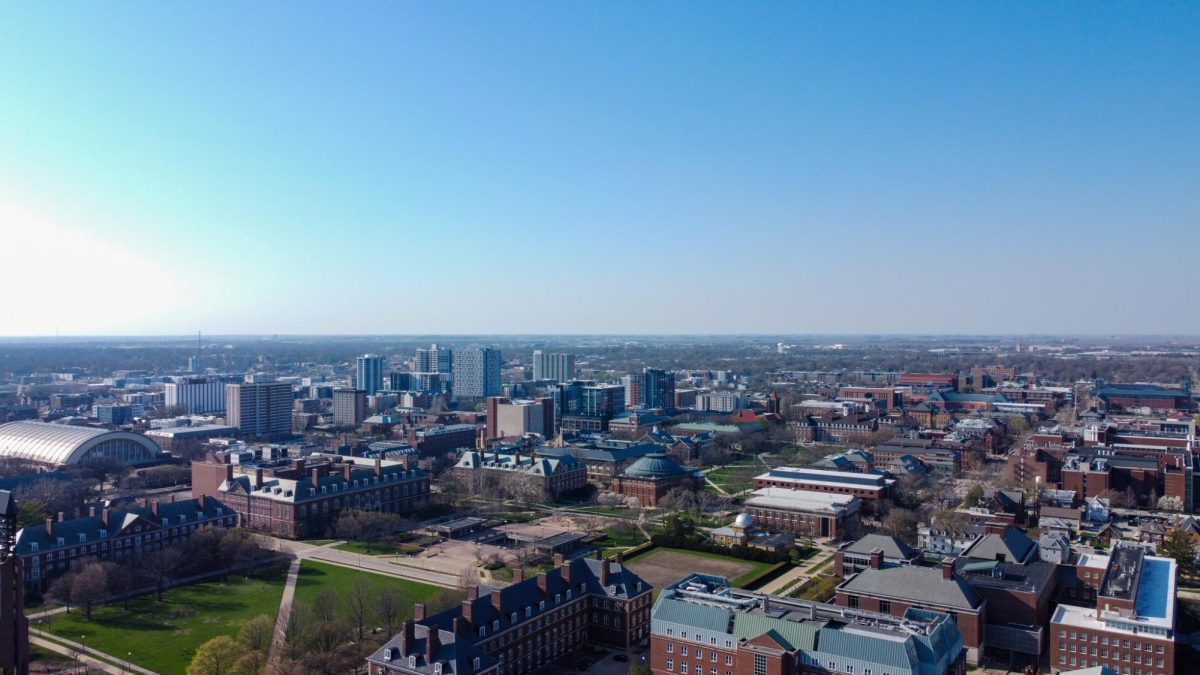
(412, 661)
(387, 654)
(61, 541)
(541, 605)
(495, 625)
(558, 597)
(104, 534)
(437, 668)
(528, 612)
(475, 663)
(513, 618)
(483, 631)
(33, 546)
(82, 537)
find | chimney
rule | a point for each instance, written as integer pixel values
(458, 626)
(597, 555)
(61, 518)
(418, 611)
(258, 476)
(104, 514)
(297, 465)
(876, 560)
(406, 638)
(466, 609)
(200, 503)
(558, 560)
(50, 527)
(171, 498)
(565, 571)
(541, 581)
(603, 572)
(431, 643)
(346, 472)
(378, 468)
(619, 558)
(473, 593)
(948, 568)
(496, 603)
(316, 477)
(154, 508)
(91, 512)
(141, 502)
(405, 459)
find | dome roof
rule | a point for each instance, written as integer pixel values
(743, 521)
(655, 465)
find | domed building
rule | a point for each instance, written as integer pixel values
(742, 533)
(650, 478)
(59, 445)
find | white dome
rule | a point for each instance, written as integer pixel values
(743, 521)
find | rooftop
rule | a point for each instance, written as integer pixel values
(802, 500)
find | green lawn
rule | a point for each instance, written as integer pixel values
(378, 548)
(315, 575)
(619, 539)
(609, 510)
(164, 636)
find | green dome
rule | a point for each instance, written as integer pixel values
(654, 465)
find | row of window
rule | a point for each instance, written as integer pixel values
(1124, 670)
(1103, 639)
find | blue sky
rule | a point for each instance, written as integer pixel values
(577, 167)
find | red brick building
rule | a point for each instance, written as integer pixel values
(525, 627)
(650, 479)
(870, 488)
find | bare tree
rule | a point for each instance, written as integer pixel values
(358, 601)
(389, 608)
(89, 585)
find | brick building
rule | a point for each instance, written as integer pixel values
(870, 488)
(544, 476)
(650, 479)
(1131, 628)
(118, 534)
(301, 497)
(526, 626)
(442, 438)
(604, 459)
(805, 513)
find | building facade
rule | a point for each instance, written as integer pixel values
(524, 627)
(702, 624)
(195, 395)
(368, 373)
(259, 408)
(553, 367)
(349, 407)
(477, 373)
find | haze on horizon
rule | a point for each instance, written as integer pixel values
(624, 168)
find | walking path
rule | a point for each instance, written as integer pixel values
(285, 610)
(416, 569)
(86, 655)
(802, 571)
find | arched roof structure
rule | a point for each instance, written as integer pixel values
(60, 445)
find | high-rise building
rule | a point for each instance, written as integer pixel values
(114, 413)
(434, 360)
(477, 372)
(652, 388)
(581, 405)
(195, 364)
(368, 375)
(196, 395)
(555, 367)
(349, 407)
(259, 408)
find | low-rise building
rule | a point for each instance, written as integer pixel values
(546, 477)
(806, 513)
(295, 497)
(870, 488)
(114, 534)
(524, 627)
(604, 459)
(702, 624)
(1131, 628)
(650, 479)
(858, 555)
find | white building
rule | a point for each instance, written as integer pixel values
(196, 395)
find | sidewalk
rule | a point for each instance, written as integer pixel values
(106, 663)
(285, 610)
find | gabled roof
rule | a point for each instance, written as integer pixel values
(1013, 545)
(892, 547)
(906, 582)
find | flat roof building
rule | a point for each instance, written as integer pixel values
(59, 445)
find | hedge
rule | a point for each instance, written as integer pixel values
(705, 546)
(756, 581)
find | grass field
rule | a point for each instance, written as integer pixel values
(163, 636)
(609, 510)
(314, 576)
(378, 548)
(661, 567)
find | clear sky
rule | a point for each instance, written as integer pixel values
(577, 167)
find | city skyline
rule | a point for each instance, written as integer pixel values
(932, 169)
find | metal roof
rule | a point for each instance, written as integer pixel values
(59, 444)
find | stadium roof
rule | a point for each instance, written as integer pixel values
(60, 444)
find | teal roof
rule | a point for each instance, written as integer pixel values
(697, 616)
(799, 634)
(853, 645)
(655, 465)
(980, 566)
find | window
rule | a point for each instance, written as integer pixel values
(760, 664)
(885, 606)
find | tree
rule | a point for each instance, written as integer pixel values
(358, 605)
(89, 586)
(1178, 545)
(639, 669)
(60, 590)
(974, 496)
(901, 524)
(218, 656)
(390, 606)
(1170, 503)
(256, 633)
(160, 566)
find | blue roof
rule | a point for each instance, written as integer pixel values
(1153, 595)
(868, 480)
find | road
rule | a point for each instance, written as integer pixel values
(423, 570)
